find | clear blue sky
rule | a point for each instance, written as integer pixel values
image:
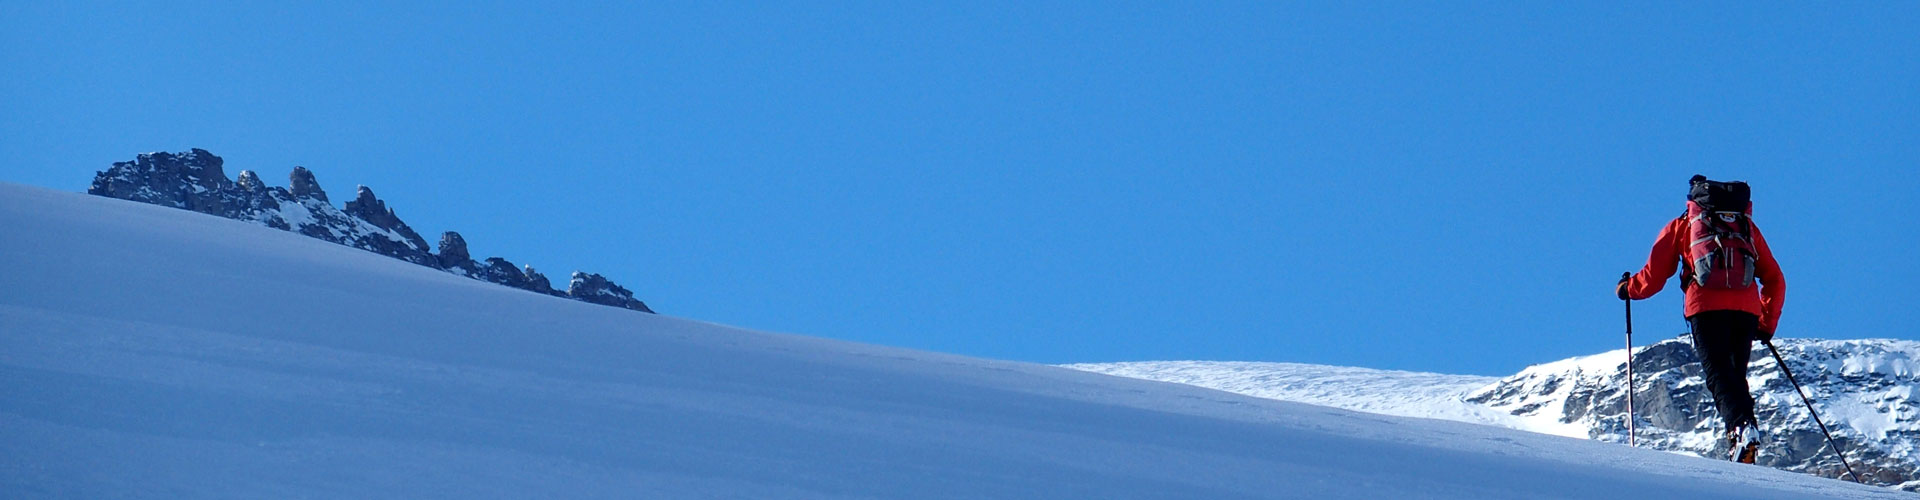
(1442, 186)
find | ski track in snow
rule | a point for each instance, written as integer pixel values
(148, 352)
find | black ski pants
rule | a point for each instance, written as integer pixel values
(1724, 342)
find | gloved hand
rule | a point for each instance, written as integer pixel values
(1621, 289)
(1763, 335)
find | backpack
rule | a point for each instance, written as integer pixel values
(1719, 226)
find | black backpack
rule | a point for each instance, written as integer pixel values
(1716, 196)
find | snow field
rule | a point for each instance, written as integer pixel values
(147, 352)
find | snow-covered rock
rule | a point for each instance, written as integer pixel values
(195, 180)
(597, 289)
(1866, 390)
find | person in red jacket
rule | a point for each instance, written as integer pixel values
(1724, 320)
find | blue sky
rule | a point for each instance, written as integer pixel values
(1442, 186)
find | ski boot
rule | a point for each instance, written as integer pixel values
(1743, 444)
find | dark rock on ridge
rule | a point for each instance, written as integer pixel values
(498, 270)
(539, 283)
(304, 186)
(596, 289)
(368, 208)
(308, 212)
(195, 180)
(454, 257)
(192, 180)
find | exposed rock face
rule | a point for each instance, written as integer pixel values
(195, 181)
(304, 186)
(498, 270)
(250, 182)
(453, 255)
(1868, 391)
(307, 211)
(258, 202)
(539, 283)
(454, 258)
(596, 289)
(192, 180)
(368, 208)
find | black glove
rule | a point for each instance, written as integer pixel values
(1763, 335)
(1621, 289)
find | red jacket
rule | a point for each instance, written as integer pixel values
(1668, 251)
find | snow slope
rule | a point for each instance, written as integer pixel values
(1387, 392)
(148, 352)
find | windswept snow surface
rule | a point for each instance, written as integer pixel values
(148, 352)
(1387, 392)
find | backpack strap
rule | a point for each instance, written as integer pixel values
(1686, 268)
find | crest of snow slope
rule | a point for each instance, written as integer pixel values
(147, 352)
(1387, 392)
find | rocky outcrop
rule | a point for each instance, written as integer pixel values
(1868, 391)
(539, 283)
(256, 201)
(365, 206)
(596, 289)
(498, 270)
(304, 186)
(453, 255)
(454, 258)
(306, 211)
(194, 180)
(250, 182)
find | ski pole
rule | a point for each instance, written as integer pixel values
(1629, 372)
(1810, 410)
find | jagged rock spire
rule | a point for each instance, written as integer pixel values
(250, 182)
(304, 186)
(363, 196)
(453, 251)
(367, 207)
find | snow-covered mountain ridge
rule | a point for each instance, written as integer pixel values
(1867, 391)
(195, 180)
